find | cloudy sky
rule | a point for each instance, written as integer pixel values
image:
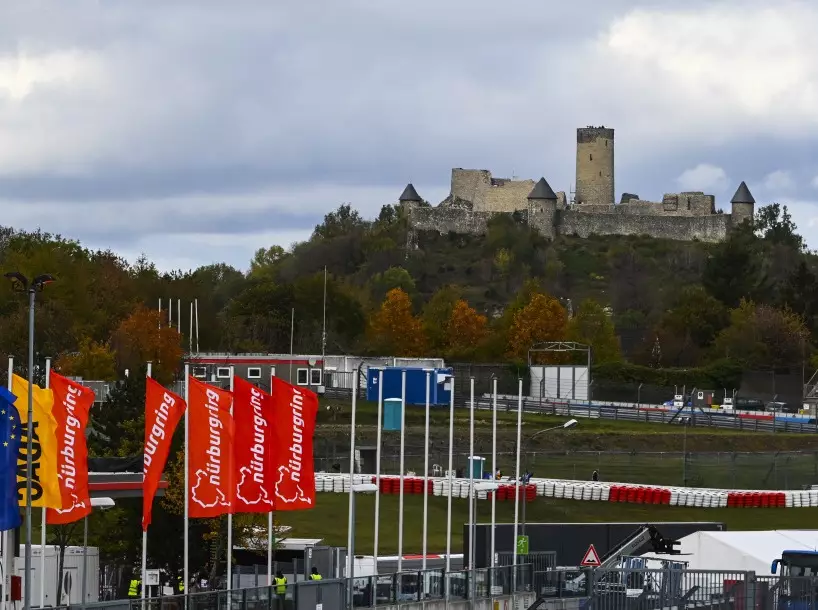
(197, 131)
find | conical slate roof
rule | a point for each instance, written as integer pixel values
(742, 195)
(542, 190)
(410, 194)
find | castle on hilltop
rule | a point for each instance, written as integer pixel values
(592, 210)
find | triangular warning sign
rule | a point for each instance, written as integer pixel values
(591, 558)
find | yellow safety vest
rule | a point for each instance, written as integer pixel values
(281, 585)
(315, 577)
(133, 588)
(181, 586)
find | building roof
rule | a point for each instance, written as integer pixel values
(743, 194)
(542, 190)
(410, 194)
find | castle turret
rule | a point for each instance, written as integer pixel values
(595, 166)
(743, 205)
(542, 209)
(410, 194)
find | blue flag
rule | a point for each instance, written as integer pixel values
(9, 447)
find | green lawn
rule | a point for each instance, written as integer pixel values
(328, 520)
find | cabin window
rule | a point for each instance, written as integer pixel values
(254, 372)
(302, 377)
(223, 372)
(200, 372)
(315, 376)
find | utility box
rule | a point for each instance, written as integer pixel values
(392, 409)
(440, 385)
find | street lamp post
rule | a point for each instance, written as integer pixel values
(569, 424)
(102, 504)
(358, 488)
(20, 283)
(488, 487)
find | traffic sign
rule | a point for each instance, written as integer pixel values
(522, 545)
(591, 558)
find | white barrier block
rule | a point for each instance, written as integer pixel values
(559, 490)
(549, 489)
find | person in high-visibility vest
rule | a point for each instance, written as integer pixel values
(281, 585)
(133, 587)
(315, 575)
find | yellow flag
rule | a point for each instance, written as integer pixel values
(45, 487)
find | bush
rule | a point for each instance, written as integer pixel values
(719, 374)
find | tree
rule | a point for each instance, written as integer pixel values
(735, 269)
(800, 294)
(92, 361)
(690, 325)
(265, 260)
(343, 221)
(761, 336)
(466, 330)
(774, 223)
(394, 330)
(394, 277)
(542, 319)
(437, 313)
(593, 326)
(139, 339)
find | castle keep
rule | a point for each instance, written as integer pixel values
(476, 196)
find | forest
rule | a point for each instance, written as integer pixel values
(648, 308)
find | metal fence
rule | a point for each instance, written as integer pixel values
(366, 592)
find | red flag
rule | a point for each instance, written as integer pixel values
(72, 404)
(211, 487)
(253, 418)
(294, 410)
(163, 410)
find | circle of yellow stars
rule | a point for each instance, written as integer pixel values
(14, 427)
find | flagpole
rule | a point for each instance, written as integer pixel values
(190, 333)
(351, 511)
(402, 446)
(493, 466)
(43, 524)
(378, 463)
(230, 515)
(426, 471)
(187, 499)
(517, 472)
(451, 482)
(144, 531)
(471, 478)
(8, 536)
(197, 324)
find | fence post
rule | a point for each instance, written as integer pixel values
(750, 590)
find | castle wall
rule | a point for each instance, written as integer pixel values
(672, 204)
(453, 219)
(683, 228)
(471, 185)
(509, 197)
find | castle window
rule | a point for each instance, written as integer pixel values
(600, 174)
(591, 157)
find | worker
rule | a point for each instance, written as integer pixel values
(133, 587)
(181, 585)
(281, 586)
(314, 575)
(595, 476)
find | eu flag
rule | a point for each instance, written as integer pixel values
(9, 447)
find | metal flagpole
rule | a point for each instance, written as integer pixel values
(8, 536)
(186, 570)
(351, 513)
(402, 446)
(230, 515)
(426, 470)
(270, 548)
(517, 473)
(451, 484)
(471, 477)
(43, 524)
(190, 333)
(179, 316)
(493, 466)
(145, 532)
(378, 463)
(292, 337)
(29, 449)
(196, 301)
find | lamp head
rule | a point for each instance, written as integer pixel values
(41, 281)
(19, 282)
(570, 423)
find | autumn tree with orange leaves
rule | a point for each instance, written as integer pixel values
(395, 330)
(466, 330)
(139, 339)
(542, 319)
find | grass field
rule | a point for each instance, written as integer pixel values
(328, 520)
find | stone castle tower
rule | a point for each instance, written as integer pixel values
(595, 166)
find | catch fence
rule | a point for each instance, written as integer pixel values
(726, 470)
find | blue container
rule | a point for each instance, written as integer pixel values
(440, 385)
(392, 408)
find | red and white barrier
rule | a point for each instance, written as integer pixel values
(621, 493)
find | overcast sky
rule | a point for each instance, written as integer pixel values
(197, 131)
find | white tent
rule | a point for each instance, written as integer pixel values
(740, 551)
